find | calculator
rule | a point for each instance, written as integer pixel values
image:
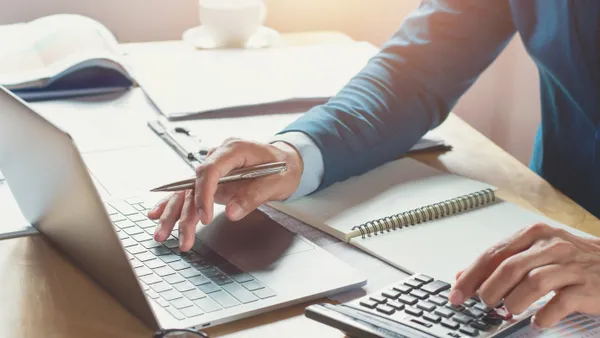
(417, 307)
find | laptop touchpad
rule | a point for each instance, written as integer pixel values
(254, 243)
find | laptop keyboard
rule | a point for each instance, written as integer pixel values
(186, 284)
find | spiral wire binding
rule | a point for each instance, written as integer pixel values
(427, 213)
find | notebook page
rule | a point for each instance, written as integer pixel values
(445, 246)
(395, 187)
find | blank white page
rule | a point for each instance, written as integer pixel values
(445, 246)
(395, 187)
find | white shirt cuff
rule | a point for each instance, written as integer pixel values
(314, 169)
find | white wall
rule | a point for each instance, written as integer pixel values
(503, 104)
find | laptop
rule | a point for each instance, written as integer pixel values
(235, 270)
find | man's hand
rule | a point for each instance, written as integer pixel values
(529, 265)
(240, 198)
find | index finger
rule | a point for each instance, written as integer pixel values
(471, 279)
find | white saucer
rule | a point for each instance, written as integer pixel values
(198, 37)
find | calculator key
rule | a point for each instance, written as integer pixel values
(170, 295)
(208, 287)
(403, 288)
(192, 311)
(427, 306)
(432, 318)
(176, 313)
(194, 294)
(463, 319)
(482, 307)
(457, 308)
(474, 313)
(420, 322)
(419, 294)
(207, 304)
(395, 304)
(264, 293)
(413, 283)
(199, 280)
(470, 302)
(378, 299)
(407, 299)
(388, 310)
(225, 299)
(449, 324)
(240, 293)
(393, 294)
(444, 312)
(454, 335)
(435, 287)
(493, 321)
(181, 303)
(413, 311)
(469, 331)
(368, 303)
(437, 300)
(424, 279)
(159, 251)
(479, 325)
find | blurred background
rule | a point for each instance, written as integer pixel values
(503, 104)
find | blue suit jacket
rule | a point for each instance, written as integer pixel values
(437, 54)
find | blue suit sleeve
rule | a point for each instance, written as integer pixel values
(409, 87)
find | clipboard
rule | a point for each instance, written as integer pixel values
(187, 145)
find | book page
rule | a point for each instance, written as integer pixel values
(445, 246)
(48, 45)
(393, 188)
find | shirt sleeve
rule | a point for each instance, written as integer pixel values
(312, 174)
(409, 87)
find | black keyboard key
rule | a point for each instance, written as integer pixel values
(171, 243)
(493, 321)
(378, 299)
(432, 318)
(437, 300)
(413, 283)
(192, 311)
(419, 294)
(444, 312)
(194, 294)
(470, 302)
(479, 325)
(482, 307)
(474, 313)
(225, 299)
(413, 311)
(160, 251)
(176, 313)
(240, 293)
(388, 310)
(264, 293)
(423, 278)
(169, 258)
(449, 324)
(427, 306)
(173, 278)
(253, 285)
(393, 294)
(435, 287)
(444, 294)
(420, 322)
(456, 308)
(454, 335)
(201, 265)
(469, 331)
(407, 299)
(368, 303)
(463, 319)
(207, 305)
(395, 304)
(403, 288)
(209, 288)
(199, 280)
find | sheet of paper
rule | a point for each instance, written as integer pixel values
(182, 83)
(573, 326)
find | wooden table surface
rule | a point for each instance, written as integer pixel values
(42, 295)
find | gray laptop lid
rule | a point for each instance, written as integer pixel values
(55, 193)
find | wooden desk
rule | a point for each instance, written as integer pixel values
(44, 296)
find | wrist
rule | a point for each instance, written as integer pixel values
(292, 157)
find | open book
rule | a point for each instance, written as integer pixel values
(415, 217)
(59, 56)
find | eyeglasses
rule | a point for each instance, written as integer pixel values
(180, 333)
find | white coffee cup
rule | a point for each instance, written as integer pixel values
(231, 23)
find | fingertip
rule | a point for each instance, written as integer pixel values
(456, 297)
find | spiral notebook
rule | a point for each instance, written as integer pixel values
(415, 217)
